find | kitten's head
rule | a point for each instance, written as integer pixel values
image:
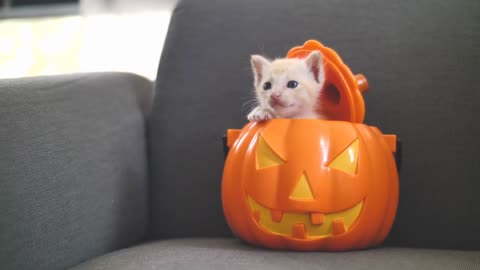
(289, 87)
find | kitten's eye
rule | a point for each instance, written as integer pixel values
(267, 86)
(292, 84)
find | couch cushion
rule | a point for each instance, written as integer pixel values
(73, 168)
(421, 58)
(224, 253)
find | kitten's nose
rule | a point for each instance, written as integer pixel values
(276, 95)
(275, 99)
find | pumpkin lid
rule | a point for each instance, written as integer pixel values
(342, 92)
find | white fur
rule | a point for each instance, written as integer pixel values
(300, 102)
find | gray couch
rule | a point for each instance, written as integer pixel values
(97, 171)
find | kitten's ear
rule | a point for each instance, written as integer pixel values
(314, 62)
(258, 66)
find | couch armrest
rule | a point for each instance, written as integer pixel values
(73, 167)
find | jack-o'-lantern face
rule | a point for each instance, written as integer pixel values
(310, 184)
(299, 185)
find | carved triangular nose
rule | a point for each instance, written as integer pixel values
(302, 190)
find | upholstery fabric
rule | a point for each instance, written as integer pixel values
(224, 253)
(73, 168)
(421, 58)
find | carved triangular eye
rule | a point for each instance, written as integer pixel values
(347, 160)
(266, 157)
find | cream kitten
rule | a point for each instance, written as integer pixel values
(287, 88)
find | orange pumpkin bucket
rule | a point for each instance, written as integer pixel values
(306, 184)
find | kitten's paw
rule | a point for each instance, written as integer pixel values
(259, 114)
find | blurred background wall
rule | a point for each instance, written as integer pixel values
(48, 37)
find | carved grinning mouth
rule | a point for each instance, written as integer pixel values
(304, 225)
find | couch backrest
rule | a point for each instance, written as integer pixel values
(422, 60)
